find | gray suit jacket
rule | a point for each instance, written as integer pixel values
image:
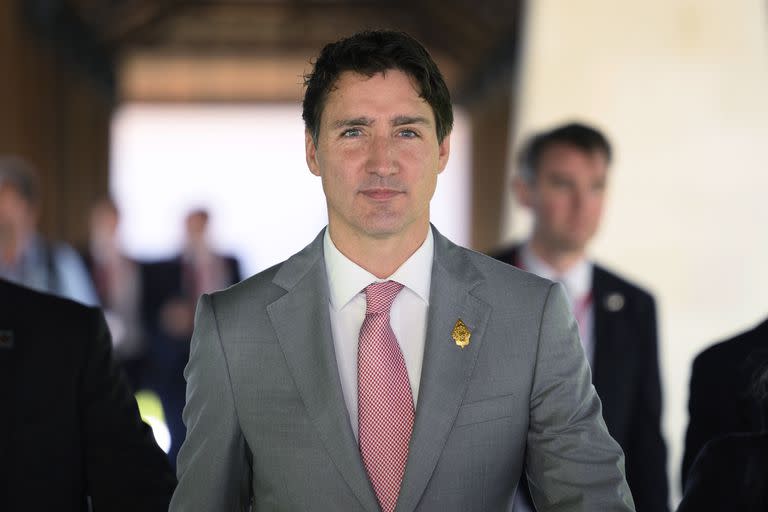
(268, 427)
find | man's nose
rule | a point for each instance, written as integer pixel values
(381, 157)
(580, 197)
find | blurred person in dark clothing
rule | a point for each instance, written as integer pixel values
(70, 433)
(205, 269)
(731, 471)
(721, 399)
(25, 256)
(117, 279)
(562, 180)
(171, 290)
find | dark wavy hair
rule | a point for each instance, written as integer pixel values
(579, 135)
(368, 53)
(21, 176)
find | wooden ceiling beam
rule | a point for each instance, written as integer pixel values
(475, 41)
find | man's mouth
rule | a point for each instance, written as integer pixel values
(380, 194)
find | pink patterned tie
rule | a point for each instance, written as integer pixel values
(385, 401)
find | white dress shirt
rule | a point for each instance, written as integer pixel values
(577, 281)
(408, 316)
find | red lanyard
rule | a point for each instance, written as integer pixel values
(581, 310)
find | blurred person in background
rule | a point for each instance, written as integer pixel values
(721, 400)
(207, 270)
(25, 256)
(117, 279)
(731, 471)
(562, 180)
(70, 436)
(171, 290)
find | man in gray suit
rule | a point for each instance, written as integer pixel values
(479, 364)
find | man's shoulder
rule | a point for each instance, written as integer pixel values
(269, 284)
(24, 301)
(42, 323)
(609, 281)
(500, 279)
(507, 254)
(737, 349)
(256, 288)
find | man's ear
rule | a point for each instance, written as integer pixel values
(522, 190)
(310, 150)
(443, 151)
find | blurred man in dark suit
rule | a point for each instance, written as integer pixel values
(170, 291)
(562, 180)
(117, 279)
(721, 400)
(71, 432)
(26, 257)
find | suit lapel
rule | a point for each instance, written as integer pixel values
(607, 368)
(446, 368)
(600, 328)
(302, 323)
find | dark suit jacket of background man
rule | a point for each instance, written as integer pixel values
(721, 400)
(167, 353)
(70, 427)
(164, 280)
(625, 372)
(729, 474)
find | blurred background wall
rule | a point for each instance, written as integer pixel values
(680, 87)
(56, 100)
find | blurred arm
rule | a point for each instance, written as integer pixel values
(646, 452)
(214, 473)
(125, 469)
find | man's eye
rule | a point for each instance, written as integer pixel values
(408, 134)
(351, 132)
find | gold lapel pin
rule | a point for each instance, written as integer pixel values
(461, 334)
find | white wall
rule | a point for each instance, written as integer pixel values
(681, 87)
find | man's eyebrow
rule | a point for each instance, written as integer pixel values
(367, 121)
(357, 121)
(401, 120)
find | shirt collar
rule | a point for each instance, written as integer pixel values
(346, 278)
(577, 279)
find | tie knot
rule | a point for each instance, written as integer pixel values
(380, 296)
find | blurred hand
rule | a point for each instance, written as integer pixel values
(177, 318)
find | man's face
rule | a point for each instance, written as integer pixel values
(566, 196)
(378, 156)
(103, 222)
(197, 224)
(16, 214)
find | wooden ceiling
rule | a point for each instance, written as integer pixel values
(241, 50)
